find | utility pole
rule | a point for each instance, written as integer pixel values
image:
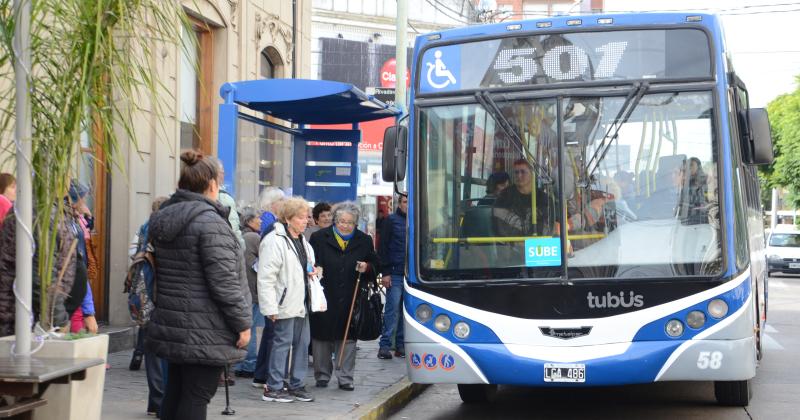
(400, 55)
(773, 220)
(24, 203)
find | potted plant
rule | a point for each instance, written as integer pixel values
(91, 63)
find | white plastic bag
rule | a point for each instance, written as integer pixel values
(318, 301)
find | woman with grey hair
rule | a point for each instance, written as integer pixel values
(269, 202)
(345, 253)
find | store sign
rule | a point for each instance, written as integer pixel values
(389, 74)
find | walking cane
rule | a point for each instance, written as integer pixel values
(228, 411)
(349, 317)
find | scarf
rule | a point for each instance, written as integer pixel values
(341, 238)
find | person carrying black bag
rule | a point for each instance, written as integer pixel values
(344, 253)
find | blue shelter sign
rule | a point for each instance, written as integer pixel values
(325, 162)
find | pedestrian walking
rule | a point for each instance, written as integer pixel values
(392, 253)
(286, 262)
(155, 368)
(251, 226)
(344, 253)
(202, 315)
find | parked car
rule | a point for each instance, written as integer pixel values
(783, 252)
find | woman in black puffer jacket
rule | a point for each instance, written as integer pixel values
(202, 317)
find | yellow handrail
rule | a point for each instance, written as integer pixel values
(496, 239)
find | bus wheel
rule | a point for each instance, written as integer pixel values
(733, 393)
(477, 393)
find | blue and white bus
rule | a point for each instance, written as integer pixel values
(584, 208)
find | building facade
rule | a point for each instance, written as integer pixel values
(236, 40)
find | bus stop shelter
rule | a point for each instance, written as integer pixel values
(324, 161)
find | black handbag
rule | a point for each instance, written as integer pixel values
(367, 318)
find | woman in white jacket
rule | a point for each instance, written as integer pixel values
(285, 266)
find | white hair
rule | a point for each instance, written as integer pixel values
(270, 196)
(346, 207)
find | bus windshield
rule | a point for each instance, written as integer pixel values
(569, 187)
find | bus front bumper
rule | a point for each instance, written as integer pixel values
(641, 362)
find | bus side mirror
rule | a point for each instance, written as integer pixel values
(395, 141)
(757, 137)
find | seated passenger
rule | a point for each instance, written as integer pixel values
(512, 213)
(496, 183)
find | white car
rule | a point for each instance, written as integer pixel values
(783, 252)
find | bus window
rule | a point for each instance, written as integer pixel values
(654, 182)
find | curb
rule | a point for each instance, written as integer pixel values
(387, 401)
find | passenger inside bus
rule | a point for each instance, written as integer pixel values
(496, 184)
(513, 211)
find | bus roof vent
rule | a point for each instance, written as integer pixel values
(694, 18)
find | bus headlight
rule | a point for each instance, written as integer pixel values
(696, 319)
(423, 313)
(442, 323)
(461, 330)
(775, 258)
(717, 308)
(674, 328)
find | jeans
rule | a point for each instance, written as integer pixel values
(156, 373)
(154, 369)
(264, 350)
(249, 363)
(189, 390)
(294, 334)
(393, 316)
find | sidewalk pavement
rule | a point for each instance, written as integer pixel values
(379, 384)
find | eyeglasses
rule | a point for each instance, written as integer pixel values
(345, 223)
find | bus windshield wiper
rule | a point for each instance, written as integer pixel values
(485, 99)
(631, 101)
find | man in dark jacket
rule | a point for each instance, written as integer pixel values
(392, 254)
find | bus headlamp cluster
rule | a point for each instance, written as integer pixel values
(442, 322)
(696, 319)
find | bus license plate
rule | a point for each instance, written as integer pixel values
(794, 265)
(564, 372)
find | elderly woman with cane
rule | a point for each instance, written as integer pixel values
(345, 254)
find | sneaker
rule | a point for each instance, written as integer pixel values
(258, 383)
(347, 387)
(243, 374)
(322, 384)
(300, 394)
(400, 353)
(136, 361)
(277, 396)
(384, 353)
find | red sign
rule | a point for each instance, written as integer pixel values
(389, 74)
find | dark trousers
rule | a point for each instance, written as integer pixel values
(264, 349)
(189, 390)
(154, 368)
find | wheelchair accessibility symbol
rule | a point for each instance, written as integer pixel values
(444, 77)
(416, 360)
